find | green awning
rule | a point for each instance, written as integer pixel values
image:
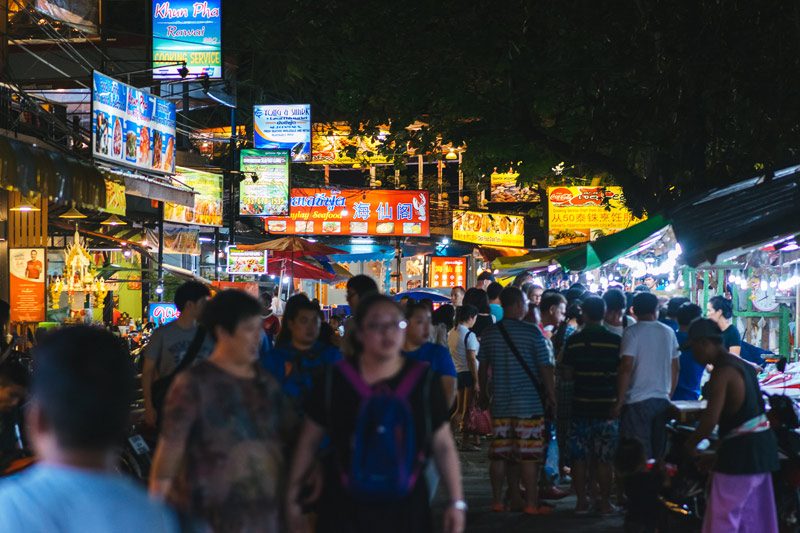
(597, 253)
(531, 260)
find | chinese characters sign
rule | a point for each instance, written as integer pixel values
(132, 127)
(268, 195)
(207, 210)
(504, 188)
(284, 127)
(354, 212)
(190, 31)
(494, 229)
(582, 214)
(447, 272)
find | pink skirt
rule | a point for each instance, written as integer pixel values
(741, 504)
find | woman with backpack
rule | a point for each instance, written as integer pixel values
(385, 415)
(464, 348)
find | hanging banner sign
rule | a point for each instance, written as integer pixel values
(504, 188)
(354, 212)
(247, 262)
(447, 272)
(116, 204)
(582, 214)
(177, 240)
(207, 210)
(26, 284)
(268, 195)
(495, 229)
(132, 127)
(284, 127)
(190, 31)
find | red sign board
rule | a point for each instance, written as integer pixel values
(447, 272)
(355, 212)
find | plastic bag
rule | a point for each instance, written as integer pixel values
(479, 421)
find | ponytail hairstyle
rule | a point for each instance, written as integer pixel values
(352, 344)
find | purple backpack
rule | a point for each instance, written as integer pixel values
(384, 463)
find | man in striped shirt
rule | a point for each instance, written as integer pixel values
(591, 359)
(516, 406)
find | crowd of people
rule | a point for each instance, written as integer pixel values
(307, 424)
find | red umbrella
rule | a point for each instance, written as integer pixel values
(291, 247)
(299, 269)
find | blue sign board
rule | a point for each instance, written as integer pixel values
(284, 127)
(162, 313)
(190, 31)
(132, 127)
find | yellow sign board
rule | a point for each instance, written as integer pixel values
(494, 229)
(115, 198)
(582, 214)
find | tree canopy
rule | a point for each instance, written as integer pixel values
(666, 98)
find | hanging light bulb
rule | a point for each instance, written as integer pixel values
(763, 285)
(773, 282)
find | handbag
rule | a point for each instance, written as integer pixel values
(535, 380)
(479, 421)
(160, 387)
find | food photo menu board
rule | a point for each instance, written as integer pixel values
(132, 127)
(247, 261)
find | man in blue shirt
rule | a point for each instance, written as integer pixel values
(691, 373)
(82, 390)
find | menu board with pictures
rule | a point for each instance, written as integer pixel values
(495, 229)
(447, 272)
(268, 193)
(247, 261)
(207, 209)
(132, 127)
(367, 212)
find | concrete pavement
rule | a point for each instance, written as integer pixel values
(480, 518)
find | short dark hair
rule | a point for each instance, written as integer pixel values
(594, 308)
(84, 382)
(466, 312)
(416, 307)
(510, 297)
(478, 298)
(191, 291)
(720, 303)
(493, 290)
(446, 314)
(550, 299)
(645, 303)
(674, 304)
(687, 313)
(228, 309)
(486, 275)
(615, 300)
(362, 284)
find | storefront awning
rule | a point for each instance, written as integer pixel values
(363, 252)
(732, 219)
(32, 169)
(597, 253)
(531, 260)
(152, 189)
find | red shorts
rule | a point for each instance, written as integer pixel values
(518, 439)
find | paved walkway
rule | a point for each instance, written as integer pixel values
(480, 518)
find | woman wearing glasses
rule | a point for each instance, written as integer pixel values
(385, 416)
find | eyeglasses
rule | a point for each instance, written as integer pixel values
(384, 327)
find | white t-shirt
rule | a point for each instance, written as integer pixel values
(619, 330)
(56, 498)
(461, 340)
(653, 346)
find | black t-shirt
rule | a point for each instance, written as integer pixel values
(338, 511)
(731, 337)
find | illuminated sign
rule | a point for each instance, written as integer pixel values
(354, 212)
(284, 127)
(582, 214)
(447, 272)
(268, 194)
(494, 229)
(190, 31)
